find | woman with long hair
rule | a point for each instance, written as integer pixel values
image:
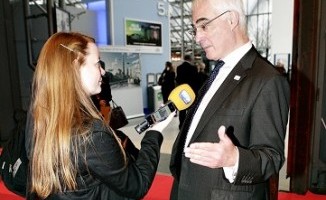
(73, 153)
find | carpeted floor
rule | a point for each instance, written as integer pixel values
(160, 190)
(307, 196)
(161, 187)
(6, 194)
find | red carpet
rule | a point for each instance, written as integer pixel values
(161, 188)
(6, 194)
(307, 196)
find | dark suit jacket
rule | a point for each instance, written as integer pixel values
(254, 108)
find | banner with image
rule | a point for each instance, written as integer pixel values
(143, 33)
(124, 71)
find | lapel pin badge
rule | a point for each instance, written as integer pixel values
(237, 77)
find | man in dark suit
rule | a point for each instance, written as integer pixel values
(232, 140)
(187, 73)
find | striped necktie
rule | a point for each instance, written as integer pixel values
(184, 131)
(208, 83)
(211, 78)
(202, 93)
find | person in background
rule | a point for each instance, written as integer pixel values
(73, 153)
(202, 75)
(167, 81)
(187, 73)
(281, 68)
(232, 140)
(102, 100)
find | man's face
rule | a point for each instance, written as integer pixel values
(213, 30)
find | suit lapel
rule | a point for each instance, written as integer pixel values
(238, 73)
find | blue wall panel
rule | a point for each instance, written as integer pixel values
(146, 10)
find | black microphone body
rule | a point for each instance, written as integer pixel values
(142, 127)
(161, 114)
(180, 98)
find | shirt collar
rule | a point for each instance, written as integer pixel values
(233, 58)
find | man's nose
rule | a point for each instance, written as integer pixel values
(198, 37)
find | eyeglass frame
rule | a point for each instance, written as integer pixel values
(193, 32)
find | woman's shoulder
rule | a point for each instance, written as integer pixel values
(101, 137)
(97, 130)
(99, 125)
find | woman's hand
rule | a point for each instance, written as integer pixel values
(160, 126)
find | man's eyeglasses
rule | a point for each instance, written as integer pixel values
(203, 26)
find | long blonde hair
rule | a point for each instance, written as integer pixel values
(61, 109)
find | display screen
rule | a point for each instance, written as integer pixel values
(162, 113)
(185, 97)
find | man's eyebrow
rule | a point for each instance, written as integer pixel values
(201, 19)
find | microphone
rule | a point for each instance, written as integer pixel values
(180, 98)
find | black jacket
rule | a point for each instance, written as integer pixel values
(188, 73)
(167, 81)
(103, 173)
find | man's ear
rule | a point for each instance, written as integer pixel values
(233, 19)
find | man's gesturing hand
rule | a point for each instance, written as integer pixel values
(214, 155)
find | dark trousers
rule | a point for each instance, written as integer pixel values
(174, 190)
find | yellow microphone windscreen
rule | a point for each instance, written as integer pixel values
(182, 96)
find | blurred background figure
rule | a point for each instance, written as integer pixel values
(280, 67)
(167, 81)
(102, 100)
(187, 73)
(202, 74)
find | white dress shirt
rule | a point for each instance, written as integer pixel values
(230, 62)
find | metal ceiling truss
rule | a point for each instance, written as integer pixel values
(182, 41)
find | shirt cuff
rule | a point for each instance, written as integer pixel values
(231, 172)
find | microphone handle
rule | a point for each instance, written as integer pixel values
(142, 127)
